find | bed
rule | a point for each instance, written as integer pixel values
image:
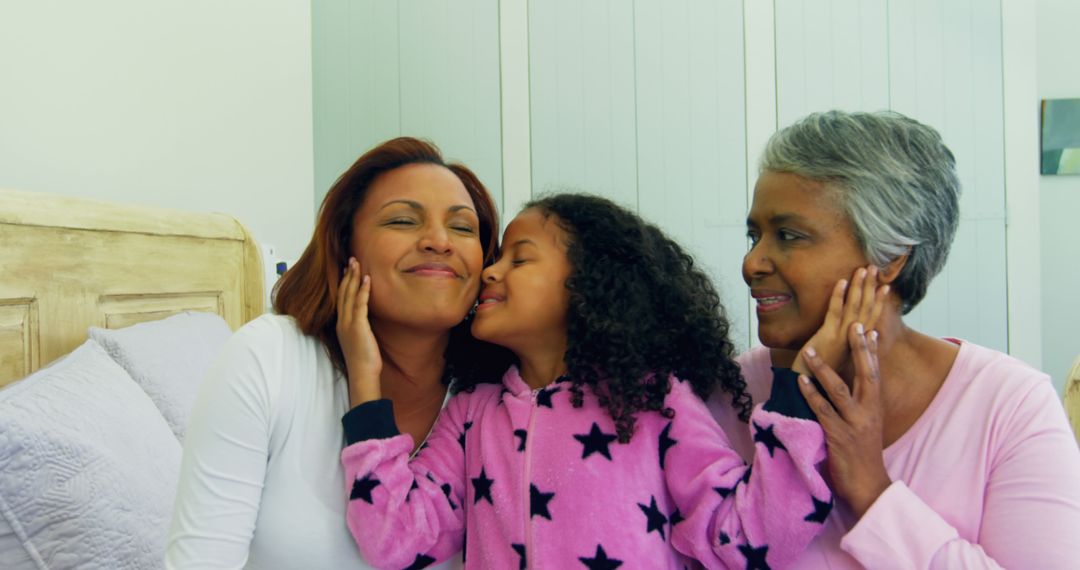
(109, 317)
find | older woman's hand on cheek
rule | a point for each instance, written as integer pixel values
(362, 358)
(863, 303)
(852, 421)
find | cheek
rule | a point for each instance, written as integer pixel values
(473, 256)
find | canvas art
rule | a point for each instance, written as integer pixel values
(1060, 136)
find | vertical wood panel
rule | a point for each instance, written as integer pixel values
(644, 103)
(426, 68)
(692, 133)
(831, 54)
(582, 97)
(946, 72)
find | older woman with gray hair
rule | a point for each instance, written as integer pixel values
(942, 453)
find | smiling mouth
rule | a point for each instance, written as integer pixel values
(770, 303)
(488, 302)
(433, 270)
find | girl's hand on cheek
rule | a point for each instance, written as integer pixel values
(864, 303)
(363, 361)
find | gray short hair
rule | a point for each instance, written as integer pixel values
(895, 179)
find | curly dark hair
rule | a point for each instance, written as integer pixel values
(640, 309)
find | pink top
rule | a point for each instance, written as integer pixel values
(987, 477)
(521, 478)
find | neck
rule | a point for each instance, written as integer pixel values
(541, 367)
(413, 363)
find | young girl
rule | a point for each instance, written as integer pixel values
(595, 450)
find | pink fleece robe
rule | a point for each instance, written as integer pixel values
(521, 478)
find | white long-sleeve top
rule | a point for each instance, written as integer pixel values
(261, 479)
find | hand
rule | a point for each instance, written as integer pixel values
(852, 422)
(864, 304)
(363, 362)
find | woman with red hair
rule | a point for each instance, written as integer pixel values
(260, 484)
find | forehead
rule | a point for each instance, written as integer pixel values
(782, 194)
(433, 186)
(533, 225)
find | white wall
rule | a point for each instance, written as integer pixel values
(1057, 78)
(665, 106)
(199, 105)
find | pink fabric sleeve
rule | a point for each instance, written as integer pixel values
(403, 512)
(735, 515)
(1030, 515)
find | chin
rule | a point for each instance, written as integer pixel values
(780, 341)
(480, 332)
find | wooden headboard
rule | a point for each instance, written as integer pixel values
(68, 263)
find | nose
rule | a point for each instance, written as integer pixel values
(436, 240)
(756, 263)
(491, 274)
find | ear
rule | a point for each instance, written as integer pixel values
(891, 271)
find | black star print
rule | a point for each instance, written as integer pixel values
(361, 489)
(655, 520)
(461, 438)
(724, 538)
(755, 557)
(675, 518)
(412, 488)
(543, 397)
(596, 441)
(538, 503)
(520, 549)
(422, 561)
(600, 561)
(521, 435)
(446, 491)
(665, 443)
(482, 488)
(766, 436)
(724, 491)
(821, 511)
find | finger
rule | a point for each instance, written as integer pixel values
(348, 291)
(880, 296)
(868, 298)
(341, 288)
(362, 296)
(854, 297)
(872, 343)
(834, 386)
(826, 414)
(866, 366)
(835, 312)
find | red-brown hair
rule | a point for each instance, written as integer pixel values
(308, 291)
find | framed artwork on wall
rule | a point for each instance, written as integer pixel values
(1060, 136)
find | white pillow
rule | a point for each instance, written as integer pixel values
(168, 359)
(88, 468)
